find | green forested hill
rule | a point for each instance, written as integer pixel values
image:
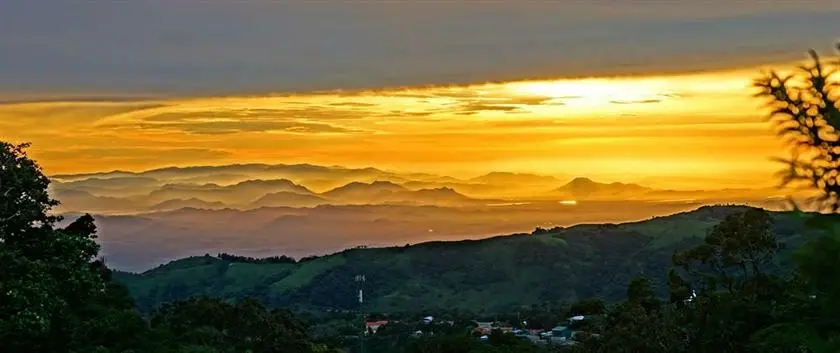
(487, 275)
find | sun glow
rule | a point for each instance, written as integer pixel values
(610, 128)
(594, 91)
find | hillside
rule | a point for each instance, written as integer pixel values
(479, 275)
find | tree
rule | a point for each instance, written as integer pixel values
(55, 296)
(734, 254)
(241, 327)
(640, 324)
(24, 201)
(591, 306)
(806, 114)
(47, 273)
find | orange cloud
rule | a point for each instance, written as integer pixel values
(627, 129)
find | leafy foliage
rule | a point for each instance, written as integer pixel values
(49, 278)
(742, 241)
(242, 327)
(806, 113)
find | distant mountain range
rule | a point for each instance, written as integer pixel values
(241, 193)
(495, 274)
(246, 186)
(386, 192)
(502, 178)
(586, 189)
(363, 192)
(288, 199)
(153, 216)
(176, 204)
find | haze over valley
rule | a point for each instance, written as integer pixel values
(154, 216)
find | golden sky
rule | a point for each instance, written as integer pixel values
(677, 131)
(659, 127)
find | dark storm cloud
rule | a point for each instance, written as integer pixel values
(189, 47)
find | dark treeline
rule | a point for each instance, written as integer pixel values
(282, 259)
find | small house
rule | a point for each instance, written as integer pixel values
(561, 331)
(373, 326)
(484, 324)
(481, 331)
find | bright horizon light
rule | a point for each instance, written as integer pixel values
(668, 131)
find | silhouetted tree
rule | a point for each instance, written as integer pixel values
(735, 252)
(246, 326)
(806, 113)
(45, 273)
(592, 306)
(282, 259)
(24, 201)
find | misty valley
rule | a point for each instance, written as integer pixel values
(151, 217)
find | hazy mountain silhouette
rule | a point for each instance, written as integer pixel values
(437, 197)
(83, 201)
(385, 192)
(584, 188)
(291, 185)
(112, 183)
(522, 179)
(475, 190)
(363, 192)
(187, 203)
(237, 194)
(288, 199)
(116, 187)
(253, 171)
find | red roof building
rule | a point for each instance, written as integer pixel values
(373, 326)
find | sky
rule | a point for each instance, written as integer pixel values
(652, 91)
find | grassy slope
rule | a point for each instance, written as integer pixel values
(480, 275)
